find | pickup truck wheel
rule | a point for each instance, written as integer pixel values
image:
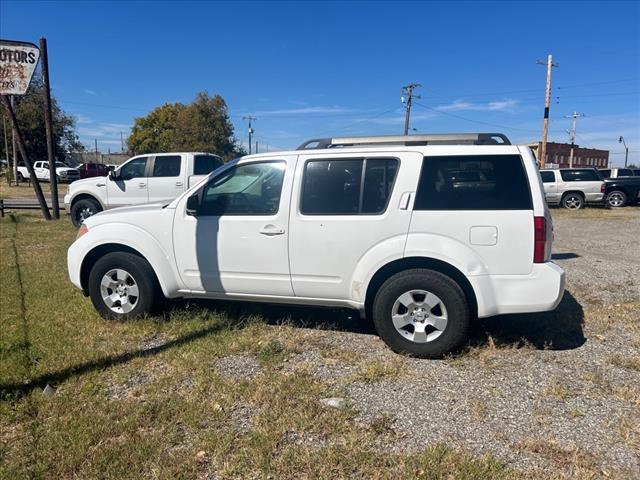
(20, 177)
(573, 201)
(421, 313)
(616, 199)
(122, 286)
(83, 209)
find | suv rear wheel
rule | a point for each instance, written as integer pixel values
(573, 201)
(421, 313)
(617, 198)
(83, 209)
(122, 286)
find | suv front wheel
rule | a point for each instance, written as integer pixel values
(421, 313)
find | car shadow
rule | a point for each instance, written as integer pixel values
(560, 329)
(564, 256)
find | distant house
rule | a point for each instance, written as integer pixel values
(559, 153)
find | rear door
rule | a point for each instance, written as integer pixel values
(166, 177)
(586, 180)
(481, 201)
(344, 205)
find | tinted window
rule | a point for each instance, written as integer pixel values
(205, 164)
(605, 173)
(636, 173)
(378, 183)
(586, 175)
(478, 182)
(134, 169)
(335, 187)
(167, 166)
(251, 189)
(625, 172)
(548, 177)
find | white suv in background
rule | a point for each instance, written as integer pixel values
(420, 233)
(573, 188)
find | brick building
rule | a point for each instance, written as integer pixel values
(558, 153)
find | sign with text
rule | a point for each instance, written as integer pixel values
(18, 61)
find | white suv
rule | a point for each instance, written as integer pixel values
(420, 233)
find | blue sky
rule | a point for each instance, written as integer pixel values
(336, 68)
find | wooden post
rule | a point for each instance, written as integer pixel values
(48, 122)
(27, 162)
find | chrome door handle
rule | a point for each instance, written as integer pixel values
(271, 230)
(405, 200)
(100, 184)
(178, 184)
(142, 185)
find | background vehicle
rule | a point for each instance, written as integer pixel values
(620, 192)
(88, 170)
(41, 169)
(154, 177)
(572, 188)
(619, 172)
(386, 225)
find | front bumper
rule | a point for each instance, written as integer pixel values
(540, 291)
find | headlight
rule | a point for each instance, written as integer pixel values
(82, 230)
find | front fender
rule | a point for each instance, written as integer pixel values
(86, 191)
(159, 257)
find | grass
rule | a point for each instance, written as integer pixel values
(25, 190)
(143, 399)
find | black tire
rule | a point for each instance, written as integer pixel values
(572, 201)
(450, 294)
(20, 177)
(616, 199)
(142, 275)
(82, 209)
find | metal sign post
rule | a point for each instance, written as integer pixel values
(18, 62)
(48, 122)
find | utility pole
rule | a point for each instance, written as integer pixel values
(547, 101)
(256, 146)
(121, 143)
(251, 119)
(407, 91)
(48, 122)
(572, 132)
(626, 150)
(96, 146)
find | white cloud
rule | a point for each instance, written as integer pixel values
(91, 92)
(303, 111)
(496, 106)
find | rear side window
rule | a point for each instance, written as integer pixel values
(625, 172)
(347, 186)
(605, 173)
(636, 173)
(205, 164)
(473, 182)
(167, 166)
(548, 177)
(577, 175)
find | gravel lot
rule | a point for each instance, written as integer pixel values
(555, 392)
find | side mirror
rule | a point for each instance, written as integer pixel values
(193, 204)
(113, 175)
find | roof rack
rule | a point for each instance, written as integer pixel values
(409, 140)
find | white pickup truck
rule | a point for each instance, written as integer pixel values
(41, 169)
(153, 177)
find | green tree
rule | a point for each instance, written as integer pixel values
(29, 111)
(202, 126)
